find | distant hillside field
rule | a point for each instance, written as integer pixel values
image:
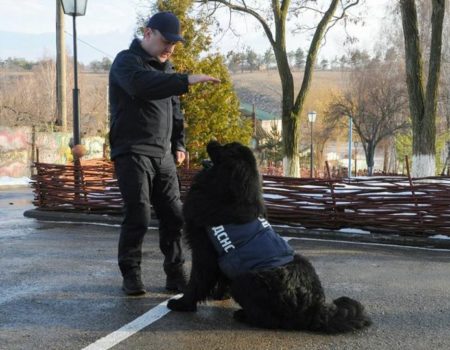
(264, 87)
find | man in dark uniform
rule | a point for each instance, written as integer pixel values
(147, 140)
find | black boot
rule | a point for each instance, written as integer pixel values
(176, 278)
(132, 284)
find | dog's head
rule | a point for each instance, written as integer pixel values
(233, 152)
(235, 166)
(227, 190)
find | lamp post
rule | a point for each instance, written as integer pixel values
(312, 118)
(75, 8)
(356, 157)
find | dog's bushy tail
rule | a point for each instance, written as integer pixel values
(343, 315)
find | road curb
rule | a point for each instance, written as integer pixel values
(62, 216)
(377, 238)
(403, 240)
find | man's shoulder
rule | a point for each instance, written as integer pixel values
(126, 57)
(126, 53)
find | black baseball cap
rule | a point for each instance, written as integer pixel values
(167, 24)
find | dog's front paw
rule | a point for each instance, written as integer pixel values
(239, 315)
(221, 290)
(181, 304)
(221, 294)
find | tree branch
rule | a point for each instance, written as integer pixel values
(437, 20)
(312, 54)
(247, 10)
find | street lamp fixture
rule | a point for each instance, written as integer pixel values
(312, 118)
(75, 8)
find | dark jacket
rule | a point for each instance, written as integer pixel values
(248, 247)
(144, 104)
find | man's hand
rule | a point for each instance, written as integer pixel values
(201, 78)
(180, 157)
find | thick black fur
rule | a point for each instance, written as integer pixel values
(286, 297)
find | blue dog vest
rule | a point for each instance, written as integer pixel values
(250, 246)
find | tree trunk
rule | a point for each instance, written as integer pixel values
(386, 158)
(370, 157)
(422, 105)
(292, 148)
(289, 133)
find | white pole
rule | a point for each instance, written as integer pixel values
(350, 127)
(107, 108)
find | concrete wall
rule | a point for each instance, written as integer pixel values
(17, 147)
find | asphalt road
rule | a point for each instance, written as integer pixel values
(60, 289)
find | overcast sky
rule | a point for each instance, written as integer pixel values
(108, 27)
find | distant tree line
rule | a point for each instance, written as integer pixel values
(236, 61)
(248, 60)
(22, 64)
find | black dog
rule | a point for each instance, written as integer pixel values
(232, 242)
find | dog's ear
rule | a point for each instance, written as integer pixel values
(213, 148)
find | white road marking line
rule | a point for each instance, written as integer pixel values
(131, 328)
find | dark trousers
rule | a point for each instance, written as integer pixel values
(143, 181)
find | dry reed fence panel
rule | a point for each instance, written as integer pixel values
(81, 188)
(377, 204)
(381, 204)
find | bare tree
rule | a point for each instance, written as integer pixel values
(273, 20)
(422, 102)
(28, 98)
(376, 102)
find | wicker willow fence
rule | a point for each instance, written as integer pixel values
(387, 204)
(379, 204)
